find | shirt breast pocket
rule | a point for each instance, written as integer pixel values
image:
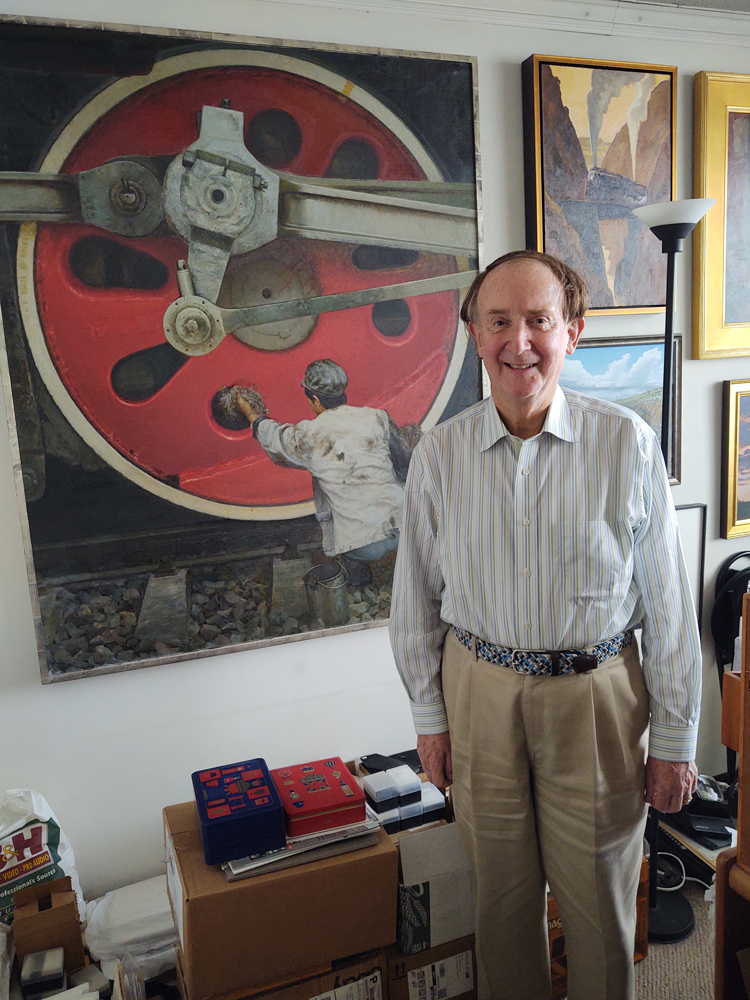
(596, 560)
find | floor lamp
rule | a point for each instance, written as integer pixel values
(670, 915)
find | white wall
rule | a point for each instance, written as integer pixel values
(109, 752)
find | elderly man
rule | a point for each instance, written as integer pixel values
(538, 530)
(358, 459)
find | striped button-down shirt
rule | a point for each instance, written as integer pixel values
(555, 542)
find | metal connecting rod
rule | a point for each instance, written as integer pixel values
(196, 327)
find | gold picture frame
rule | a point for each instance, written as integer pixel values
(600, 140)
(721, 293)
(735, 460)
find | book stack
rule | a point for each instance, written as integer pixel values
(309, 847)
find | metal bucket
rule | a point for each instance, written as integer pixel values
(326, 593)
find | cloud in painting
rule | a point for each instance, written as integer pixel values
(625, 376)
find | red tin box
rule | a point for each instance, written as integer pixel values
(318, 796)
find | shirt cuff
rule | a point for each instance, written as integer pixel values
(431, 719)
(256, 422)
(672, 743)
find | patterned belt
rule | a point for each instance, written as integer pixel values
(567, 661)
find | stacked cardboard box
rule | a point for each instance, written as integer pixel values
(362, 977)
(285, 935)
(445, 971)
(46, 916)
(240, 938)
(437, 894)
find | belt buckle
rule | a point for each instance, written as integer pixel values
(516, 663)
(584, 662)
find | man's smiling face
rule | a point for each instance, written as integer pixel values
(523, 335)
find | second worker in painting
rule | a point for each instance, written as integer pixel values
(538, 531)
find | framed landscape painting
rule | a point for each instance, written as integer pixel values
(599, 141)
(630, 371)
(735, 474)
(215, 247)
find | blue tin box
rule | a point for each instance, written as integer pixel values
(240, 811)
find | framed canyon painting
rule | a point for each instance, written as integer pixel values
(599, 141)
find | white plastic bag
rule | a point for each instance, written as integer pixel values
(134, 921)
(33, 847)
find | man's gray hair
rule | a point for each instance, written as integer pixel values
(575, 292)
(325, 378)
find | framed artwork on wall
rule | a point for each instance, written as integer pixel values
(721, 244)
(735, 460)
(630, 371)
(230, 280)
(599, 141)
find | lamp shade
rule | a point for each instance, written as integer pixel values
(689, 211)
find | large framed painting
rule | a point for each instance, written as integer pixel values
(735, 463)
(721, 243)
(599, 141)
(630, 371)
(230, 276)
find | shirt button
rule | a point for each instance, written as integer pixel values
(524, 472)
(527, 572)
(526, 521)
(528, 624)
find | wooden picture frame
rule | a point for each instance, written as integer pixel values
(585, 171)
(149, 509)
(721, 296)
(630, 371)
(735, 459)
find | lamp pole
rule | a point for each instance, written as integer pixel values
(671, 222)
(666, 399)
(672, 236)
(670, 915)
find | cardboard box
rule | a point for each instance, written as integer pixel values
(449, 970)
(437, 890)
(247, 936)
(46, 916)
(557, 952)
(362, 977)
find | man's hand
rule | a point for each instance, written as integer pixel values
(669, 785)
(435, 753)
(245, 408)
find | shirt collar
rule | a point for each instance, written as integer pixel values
(559, 421)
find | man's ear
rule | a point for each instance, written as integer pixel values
(474, 333)
(575, 329)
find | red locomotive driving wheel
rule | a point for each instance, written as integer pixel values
(93, 302)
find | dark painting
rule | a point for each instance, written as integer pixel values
(230, 299)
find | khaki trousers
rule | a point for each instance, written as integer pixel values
(548, 779)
